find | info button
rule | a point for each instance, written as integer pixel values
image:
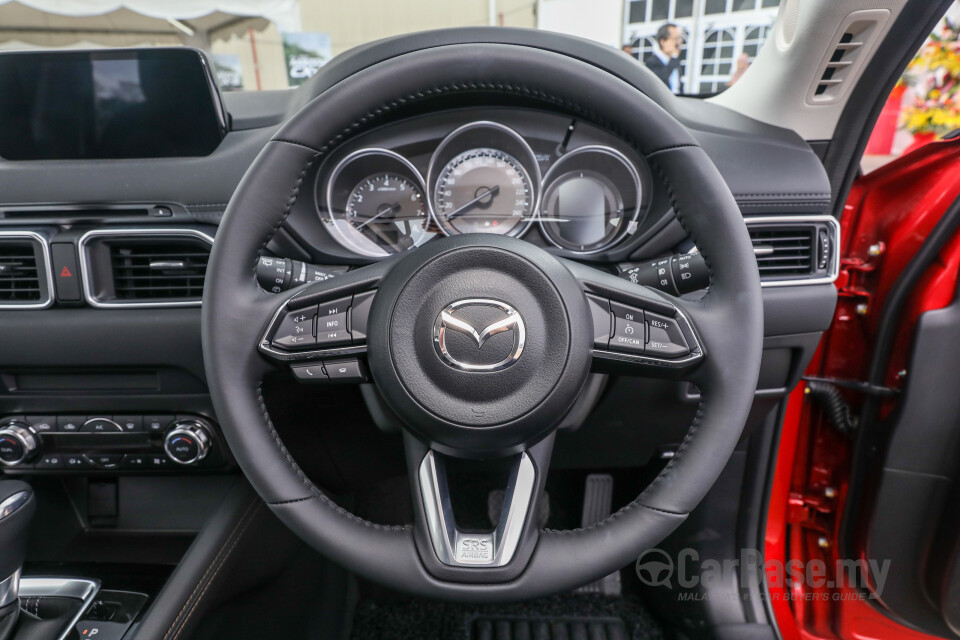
(628, 335)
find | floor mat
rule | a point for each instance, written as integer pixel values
(564, 616)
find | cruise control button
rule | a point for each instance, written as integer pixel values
(333, 308)
(296, 331)
(624, 312)
(664, 337)
(345, 371)
(100, 425)
(310, 373)
(336, 322)
(42, 424)
(70, 423)
(627, 335)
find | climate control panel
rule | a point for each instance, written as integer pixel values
(132, 443)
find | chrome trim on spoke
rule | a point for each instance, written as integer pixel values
(9, 589)
(492, 549)
(14, 502)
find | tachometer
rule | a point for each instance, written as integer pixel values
(484, 178)
(376, 205)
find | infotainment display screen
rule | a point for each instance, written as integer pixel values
(125, 103)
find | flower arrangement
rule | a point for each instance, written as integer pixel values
(934, 76)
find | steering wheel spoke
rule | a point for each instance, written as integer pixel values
(639, 330)
(321, 328)
(445, 547)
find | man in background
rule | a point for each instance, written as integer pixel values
(665, 59)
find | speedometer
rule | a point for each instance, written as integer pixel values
(483, 190)
(484, 178)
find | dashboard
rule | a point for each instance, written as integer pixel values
(119, 248)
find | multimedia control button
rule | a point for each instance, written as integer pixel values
(70, 423)
(344, 371)
(310, 373)
(52, 461)
(664, 337)
(296, 331)
(336, 322)
(628, 335)
(333, 338)
(129, 424)
(76, 462)
(100, 425)
(44, 424)
(333, 308)
(156, 424)
(105, 460)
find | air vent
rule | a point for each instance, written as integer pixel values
(24, 272)
(852, 43)
(793, 250)
(145, 267)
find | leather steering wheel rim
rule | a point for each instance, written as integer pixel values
(729, 318)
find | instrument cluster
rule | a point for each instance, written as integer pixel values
(581, 193)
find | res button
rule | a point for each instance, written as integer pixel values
(664, 337)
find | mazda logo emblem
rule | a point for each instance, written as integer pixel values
(451, 319)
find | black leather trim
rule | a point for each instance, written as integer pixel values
(235, 311)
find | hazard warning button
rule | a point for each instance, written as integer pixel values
(66, 273)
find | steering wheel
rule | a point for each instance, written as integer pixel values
(543, 322)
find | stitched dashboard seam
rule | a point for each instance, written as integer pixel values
(236, 539)
(215, 563)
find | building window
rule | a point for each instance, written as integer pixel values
(638, 11)
(642, 47)
(660, 10)
(744, 5)
(753, 39)
(770, 3)
(717, 60)
(715, 6)
(683, 9)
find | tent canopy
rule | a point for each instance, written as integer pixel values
(58, 23)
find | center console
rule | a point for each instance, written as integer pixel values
(115, 443)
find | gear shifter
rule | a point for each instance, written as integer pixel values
(17, 505)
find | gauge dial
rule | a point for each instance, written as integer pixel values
(484, 178)
(483, 190)
(375, 204)
(591, 200)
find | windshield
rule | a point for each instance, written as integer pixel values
(696, 47)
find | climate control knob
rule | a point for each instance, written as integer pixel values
(17, 443)
(188, 442)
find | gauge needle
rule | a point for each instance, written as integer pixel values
(391, 209)
(493, 191)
